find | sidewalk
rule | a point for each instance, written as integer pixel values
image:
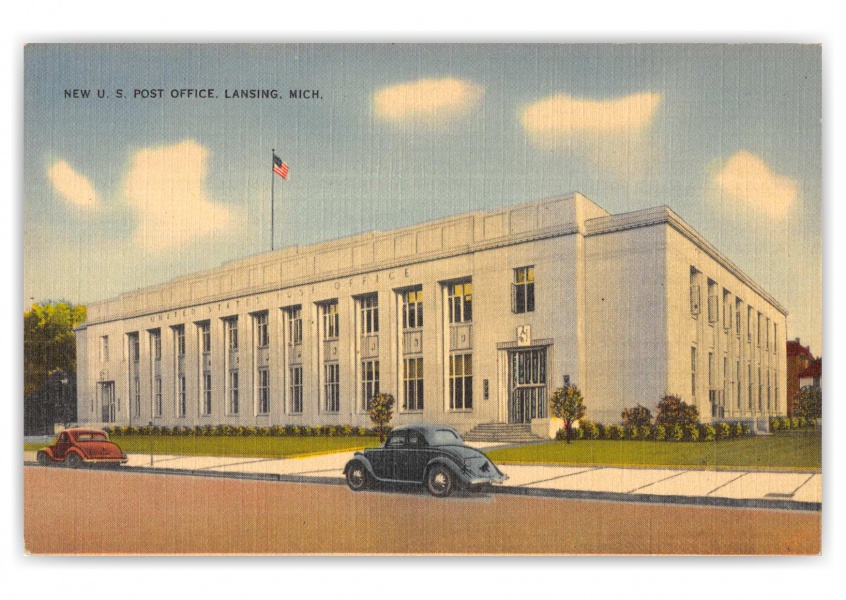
(743, 488)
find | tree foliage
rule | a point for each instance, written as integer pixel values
(381, 411)
(637, 416)
(809, 403)
(673, 410)
(49, 342)
(568, 405)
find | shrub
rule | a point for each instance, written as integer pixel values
(637, 416)
(808, 403)
(331, 431)
(568, 405)
(617, 432)
(691, 432)
(248, 431)
(707, 433)
(347, 430)
(738, 430)
(362, 431)
(775, 423)
(560, 435)
(591, 430)
(672, 410)
(675, 432)
(659, 433)
(631, 432)
(723, 431)
(645, 432)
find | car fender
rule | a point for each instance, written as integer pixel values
(76, 451)
(363, 460)
(449, 463)
(49, 452)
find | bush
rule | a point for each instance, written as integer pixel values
(707, 433)
(645, 432)
(659, 433)
(808, 403)
(331, 431)
(617, 432)
(675, 432)
(631, 432)
(672, 410)
(591, 430)
(691, 432)
(362, 431)
(346, 430)
(561, 435)
(737, 430)
(723, 431)
(637, 416)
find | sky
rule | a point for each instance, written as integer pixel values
(125, 192)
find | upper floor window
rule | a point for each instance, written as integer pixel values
(330, 319)
(179, 339)
(369, 307)
(412, 308)
(295, 325)
(205, 336)
(104, 348)
(134, 347)
(737, 306)
(262, 336)
(230, 328)
(713, 302)
(523, 290)
(460, 302)
(156, 343)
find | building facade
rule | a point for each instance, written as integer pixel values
(467, 320)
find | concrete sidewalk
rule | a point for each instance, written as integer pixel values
(735, 487)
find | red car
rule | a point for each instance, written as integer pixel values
(74, 447)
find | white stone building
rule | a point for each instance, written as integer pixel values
(466, 320)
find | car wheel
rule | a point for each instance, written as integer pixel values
(43, 459)
(357, 476)
(440, 481)
(73, 460)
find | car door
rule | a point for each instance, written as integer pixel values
(62, 445)
(412, 460)
(384, 461)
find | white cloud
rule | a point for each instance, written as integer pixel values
(427, 101)
(746, 178)
(72, 186)
(165, 188)
(615, 135)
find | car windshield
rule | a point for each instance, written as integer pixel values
(91, 437)
(444, 437)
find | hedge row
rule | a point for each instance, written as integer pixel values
(690, 432)
(786, 423)
(240, 430)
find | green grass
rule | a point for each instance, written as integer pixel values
(786, 450)
(253, 446)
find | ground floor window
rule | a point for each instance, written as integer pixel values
(233, 393)
(332, 387)
(369, 382)
(136, 385)
(157, 384)
(461, 382)
(412, 384)
(296, 390)
(180, 396)
(263, 391)
(207, 397)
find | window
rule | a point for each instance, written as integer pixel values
(329, 311)
(369, 306)
(751, 394)
(768, 334)
(460, 302)
(748, 323)
(332, 387)
(461, 382)
(296, 390)
(230, 327)
(294, 315)
(693, 371)
(156, 343)
(157, 384)
(207, 391)
(369, 382)
(263, 391)
(136, 388)
(523, 290)
(134, 348)
(728, 318)
(262, 337)
(713, 302)
(760, 391)
(412, 309)
(760, 327)
(179, 339)
(737, 374)
(233, 392)
(737, 306)
(205, 336)
(776, 391)
(412, 378)
(181, 407)
(776, 343)
(104, 349)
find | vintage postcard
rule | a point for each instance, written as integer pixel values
(422, 299)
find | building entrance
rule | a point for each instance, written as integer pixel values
(527, 385)
(107, 401)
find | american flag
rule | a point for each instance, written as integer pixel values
(279, 167)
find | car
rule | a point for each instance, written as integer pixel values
(432, 455)
(75, 447)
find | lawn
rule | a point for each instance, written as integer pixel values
(784, 450)
(253, 446)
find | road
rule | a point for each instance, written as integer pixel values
(114, 512)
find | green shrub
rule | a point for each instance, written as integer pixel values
(361, 431)
(672, 410)
(248, 431)
(675, 432)
(317, 430)
(561, 435)
(591, 430)
(737, 430)
(707, 433)
(691, 432)
(645, 432)
(347, 430)
(631, 432)
(659, 433)
(617, 432)
(604, 431)
(775, 423)
(637, 416)
(723, 431)
(331, 431)
(794, 422)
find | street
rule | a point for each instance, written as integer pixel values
(118, 512)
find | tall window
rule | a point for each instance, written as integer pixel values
(769, 391)
(749, 316)
(233, 392)
(134, 347)
(156, 343)
(104, 349)
(760, 391)
(295, 325)
(775, 338)
(157, 385)
(412, 309)
(369, 307)
(179, 339)
(181, 407)
(207, 394)
(296, 390)
(412, 384)
(231, 329)
(369, 382)
(262, 337)
(330, 320)
(751, 389)
(136, 389)
(777, 403)
(737, 374)
(737, 307)
(461, 381)
(205, 336)
(332, 387)
(263, 391)
(693, 371)
(760, 327)
(523, 290)
(768, 334)
(460, 302)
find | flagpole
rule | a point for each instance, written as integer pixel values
(272, 191)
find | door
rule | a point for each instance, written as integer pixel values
(527, 384)
(107, 401)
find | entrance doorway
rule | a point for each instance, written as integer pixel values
(107, 401)
(527, 385)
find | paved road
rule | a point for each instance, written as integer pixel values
(127, 512)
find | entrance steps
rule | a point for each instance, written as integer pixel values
(502, 432)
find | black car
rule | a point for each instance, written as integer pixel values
(432, 455)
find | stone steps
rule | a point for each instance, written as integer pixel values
(502, 432)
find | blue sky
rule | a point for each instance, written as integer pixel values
(120, 193)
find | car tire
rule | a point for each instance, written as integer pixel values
(43, 459)
(357, 476)
(440, 481)
(73, 460)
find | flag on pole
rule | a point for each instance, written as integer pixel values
(279, 167)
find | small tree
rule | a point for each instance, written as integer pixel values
(672, 410)
(809, 403)
(381, 411)
(567, 404)
(637, 416)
